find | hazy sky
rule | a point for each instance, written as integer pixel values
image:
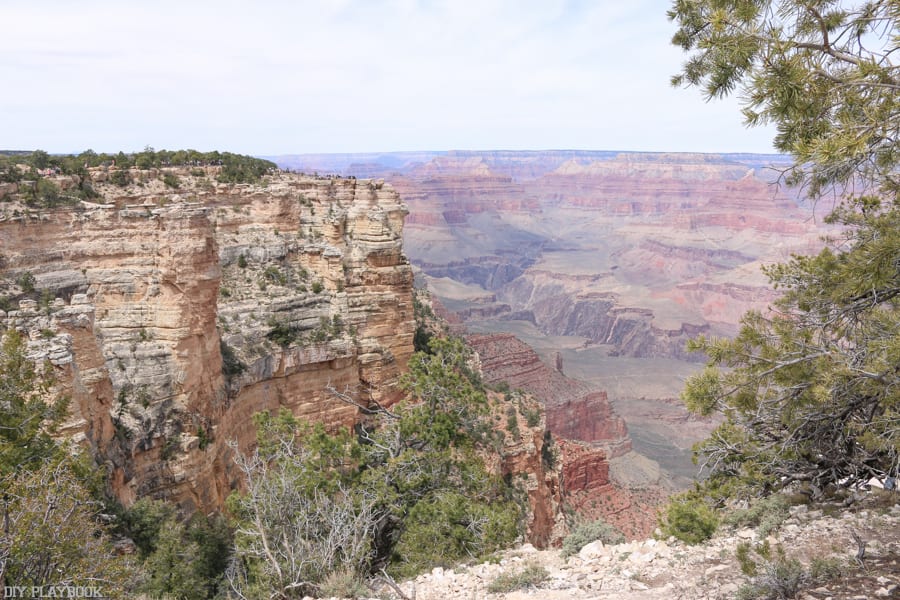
(276, 77)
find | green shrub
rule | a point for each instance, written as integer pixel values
(120, 178)
(688, 519)
(827, 569)
(51, 532)
(274, 275)
(343, 583)
(512, 420)
(242, 261)
(532, 415)
(778, 578)
(317, 287)
(421, 339)
(766, 514)
(203, 439)
(47, 193)
(26, 281)
(465, 527)
(585, 532)
(242, 169)
(745, 560)
(530, 576)
(184, 560)
(283, 334)
(231, 364)
(548, 451)
(171, 180)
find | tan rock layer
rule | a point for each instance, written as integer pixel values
(149, 287)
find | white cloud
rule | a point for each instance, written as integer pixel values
(351, 75)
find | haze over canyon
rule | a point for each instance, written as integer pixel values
(605, 263)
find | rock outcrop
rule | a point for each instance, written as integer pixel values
(592, 443)
(574, 409)
(174, 315)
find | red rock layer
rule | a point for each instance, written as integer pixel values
(589, 491)
(574, 409)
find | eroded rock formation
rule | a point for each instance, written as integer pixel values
(592, 443)
(300, 283)
(574, 409)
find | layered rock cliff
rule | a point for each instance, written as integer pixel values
(176, 313)
(600, 475)
(574, 409)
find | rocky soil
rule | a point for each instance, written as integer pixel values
(655, 569)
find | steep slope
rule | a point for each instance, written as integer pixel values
(600, 474)
(301, 282)
(574, 410)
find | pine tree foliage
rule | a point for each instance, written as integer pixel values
(28, 410)
(810, 389)
(823, 71)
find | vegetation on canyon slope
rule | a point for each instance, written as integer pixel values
(50, 532)
(810, 390)
(407, 490)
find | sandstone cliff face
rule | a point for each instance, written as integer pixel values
(528, 458)
(301, 282)
(574, 410)
(591, 442)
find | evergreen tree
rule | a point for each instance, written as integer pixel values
(810, 390)
(28, 411)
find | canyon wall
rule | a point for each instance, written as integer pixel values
(574, 410)
(591, 443)
(174, 315)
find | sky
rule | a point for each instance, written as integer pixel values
(272, 77)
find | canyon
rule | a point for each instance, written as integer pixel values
(171, 313)
(174, 312)
(605, 263)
